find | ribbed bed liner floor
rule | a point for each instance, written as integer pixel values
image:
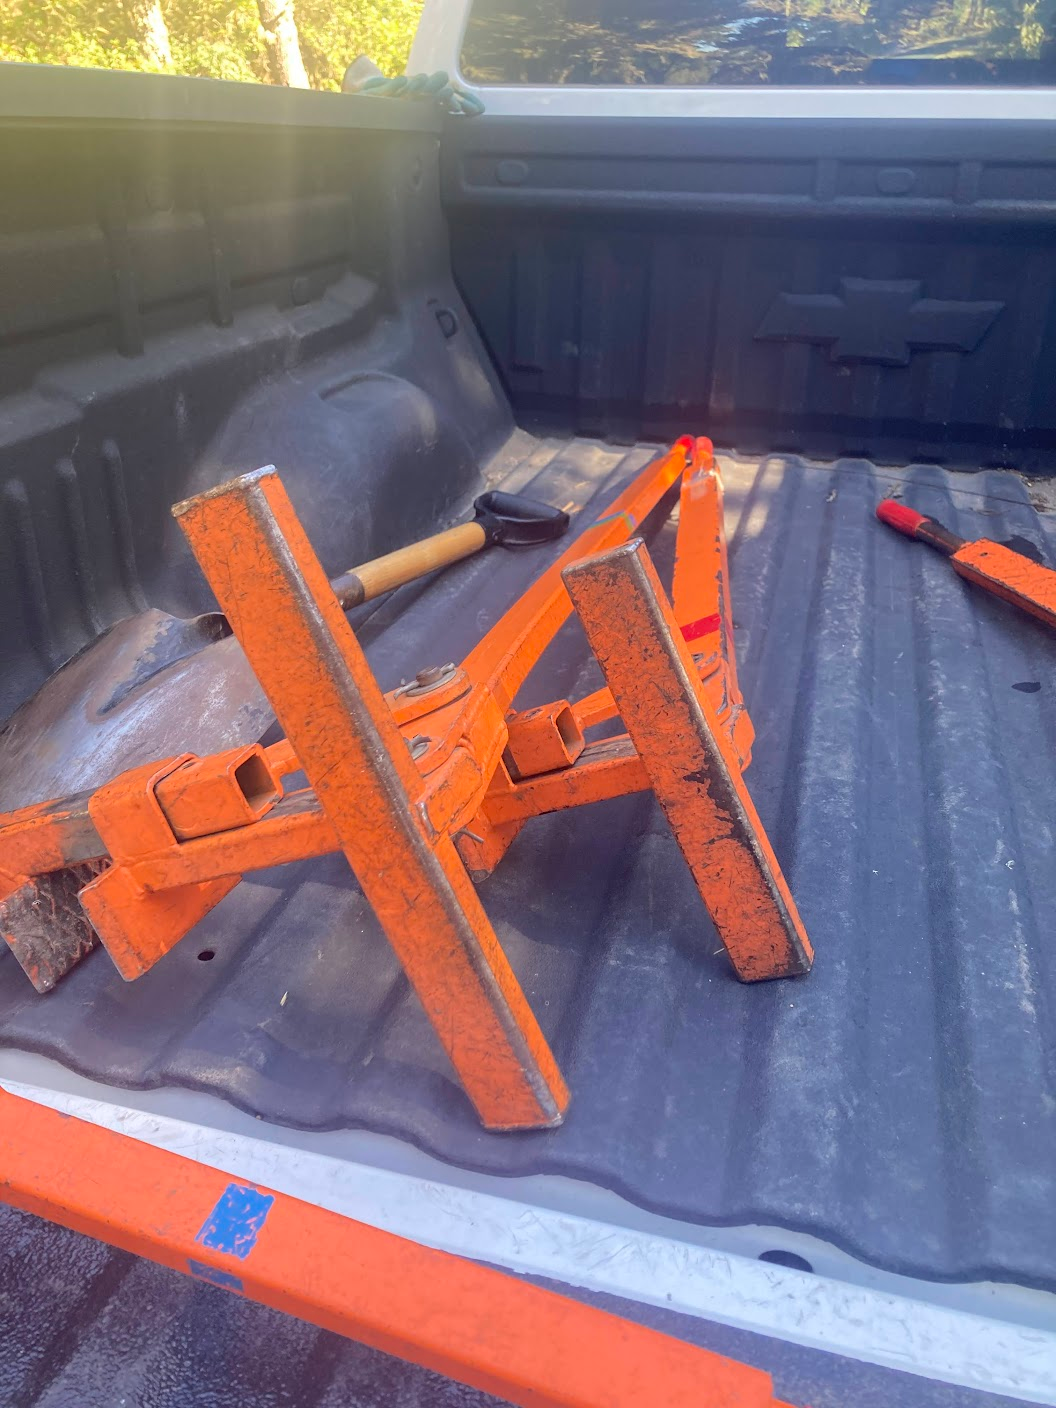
(900, 1101)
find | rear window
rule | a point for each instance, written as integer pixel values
(744, 42)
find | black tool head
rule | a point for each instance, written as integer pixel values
(517, 522)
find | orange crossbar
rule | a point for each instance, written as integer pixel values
(481, 1327)
(505, 657)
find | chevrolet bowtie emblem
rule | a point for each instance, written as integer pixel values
(877, 320)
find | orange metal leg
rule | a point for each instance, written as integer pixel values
(700, 596)
(481, 1327)
(692, 768)
(275, 593)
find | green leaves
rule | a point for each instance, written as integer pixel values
(211, 38)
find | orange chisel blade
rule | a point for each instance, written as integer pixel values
(997, 569)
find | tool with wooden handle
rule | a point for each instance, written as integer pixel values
(997, 569)
(156, 685)
(507, 519)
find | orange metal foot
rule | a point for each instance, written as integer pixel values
(278, 599)
(136, 927)
(692, 765)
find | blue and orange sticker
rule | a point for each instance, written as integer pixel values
(232, 1228)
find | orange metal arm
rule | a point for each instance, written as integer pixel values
(506, 655)
(481, 1327)
(611, 768)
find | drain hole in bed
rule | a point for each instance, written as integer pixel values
(789, 1259)
(207, 955)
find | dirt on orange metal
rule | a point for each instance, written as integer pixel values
(692, 766)
(700, 598)
(481, 1327)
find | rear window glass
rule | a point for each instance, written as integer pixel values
(672, 42)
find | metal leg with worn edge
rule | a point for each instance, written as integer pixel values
(692, 766)
(271, 586)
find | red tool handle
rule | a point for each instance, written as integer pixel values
(916, 525)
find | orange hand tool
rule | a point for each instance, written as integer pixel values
(434, 779)
(999, 570)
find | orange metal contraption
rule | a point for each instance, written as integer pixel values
(432, 780)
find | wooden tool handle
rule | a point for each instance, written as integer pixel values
(386, 573)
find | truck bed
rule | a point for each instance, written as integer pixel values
(897, 1102)
(203, 278)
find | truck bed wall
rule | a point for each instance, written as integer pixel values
(635, 278)
(197, 278)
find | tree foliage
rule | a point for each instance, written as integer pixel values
(209, 38)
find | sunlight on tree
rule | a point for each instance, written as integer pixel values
(208, 38)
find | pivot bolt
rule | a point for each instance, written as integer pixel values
(425, 681)
(434, 675)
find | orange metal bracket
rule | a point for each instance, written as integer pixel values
(436, 778)
(492, 1331)
(136, 926)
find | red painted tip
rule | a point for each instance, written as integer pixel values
(898, 516)
(704, 452)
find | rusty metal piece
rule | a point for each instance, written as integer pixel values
(218, 793)
(609, 768)
(43, 924)
(48, 836)
(295, 829)
(274, 592)
(693, 769)
(543, 739)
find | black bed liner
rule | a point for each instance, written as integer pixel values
(899, 1102)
